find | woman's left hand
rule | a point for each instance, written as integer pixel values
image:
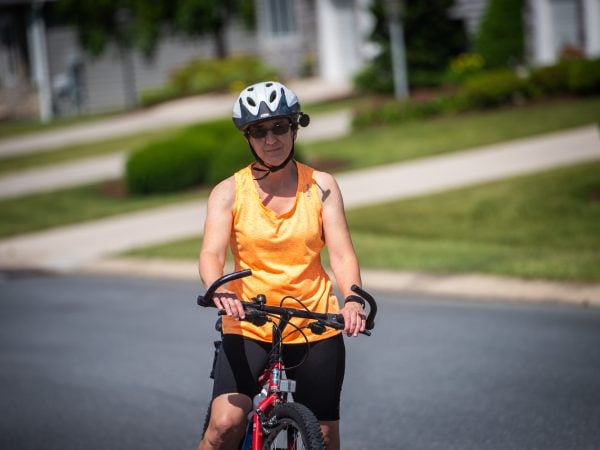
(354, 318)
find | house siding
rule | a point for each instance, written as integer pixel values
(103, 82)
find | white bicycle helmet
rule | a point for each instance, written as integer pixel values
(267, 100)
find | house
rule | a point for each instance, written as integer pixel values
(43, 68)
(551, 26)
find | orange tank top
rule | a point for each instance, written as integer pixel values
(283, 252)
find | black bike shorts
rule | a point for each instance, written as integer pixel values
(318, 378)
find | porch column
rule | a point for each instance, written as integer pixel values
(543, 48)
(591, 26)
(337, 39)
(39, 59)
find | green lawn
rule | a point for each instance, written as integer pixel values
(447, 134)
(41, 211)
(545, 225)
(542, 226)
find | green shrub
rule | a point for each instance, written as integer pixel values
(584, 76)
(401, 111)
(550, 80)
(425, 78)
(230, 154)
(169, 165)
(210, 75)
(494, 88)
(204, 153)
(491, 89)
(374, 79)
(462, 67)
(202, 76)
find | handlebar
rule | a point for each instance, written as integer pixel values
(332, 320)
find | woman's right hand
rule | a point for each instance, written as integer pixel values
(228, 302)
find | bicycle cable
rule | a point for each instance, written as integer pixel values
(297, 330)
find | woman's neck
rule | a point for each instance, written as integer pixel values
(281, 182)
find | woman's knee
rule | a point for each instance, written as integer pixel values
(331, 434)
(228, 416)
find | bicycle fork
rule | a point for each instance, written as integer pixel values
(278, 390)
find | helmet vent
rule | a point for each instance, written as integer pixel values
(251, 101)
(272, 97)
(269, 84)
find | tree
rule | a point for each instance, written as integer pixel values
(140, 23)
(128, 23)
(431, 38)
(198, 17)
(500, 37)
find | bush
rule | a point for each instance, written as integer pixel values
(584, 76)
(169, 165)
(199, 154)
(202, 76)
(394, 112)
(494, 88)
(230, 154)
(463, 67)
(209, 75)
(550, 80)
(374, 79)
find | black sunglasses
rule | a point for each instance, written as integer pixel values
(261, 132)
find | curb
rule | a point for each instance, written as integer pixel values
(476, 287)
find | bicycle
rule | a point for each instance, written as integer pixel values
(275, 422)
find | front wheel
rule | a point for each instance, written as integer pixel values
(293, 426)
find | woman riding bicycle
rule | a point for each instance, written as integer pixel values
(276, 215)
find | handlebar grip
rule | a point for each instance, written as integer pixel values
(206, 300)
(339, 319)
(370, 322)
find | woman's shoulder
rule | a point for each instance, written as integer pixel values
(224, 192)
(324, 179)
(326, 185)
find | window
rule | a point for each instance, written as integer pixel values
(280, 16)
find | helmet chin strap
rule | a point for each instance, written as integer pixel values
(269, 168)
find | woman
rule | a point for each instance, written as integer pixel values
(276, 215)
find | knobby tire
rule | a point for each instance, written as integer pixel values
(294, 424)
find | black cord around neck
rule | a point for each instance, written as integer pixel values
(268, 169)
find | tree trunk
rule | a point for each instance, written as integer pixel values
(221, 49)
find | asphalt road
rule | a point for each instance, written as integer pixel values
(113, 363)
